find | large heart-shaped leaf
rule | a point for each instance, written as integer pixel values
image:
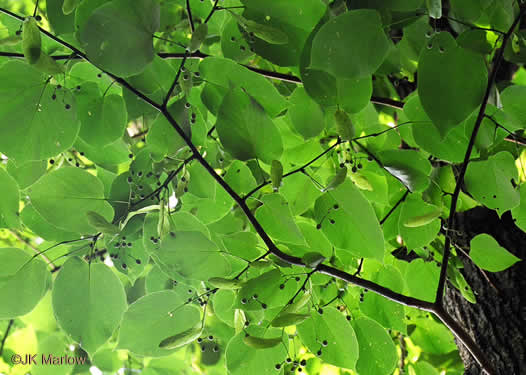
(118, 35)
(88, 301)
(65, 196)
(451, 82)
(37, 119)
(23, 282)
(245, 129)
(342, 47)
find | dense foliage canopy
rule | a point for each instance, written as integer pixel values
(248, 186)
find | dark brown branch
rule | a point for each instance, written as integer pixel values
(9, 325)
(189, 12)
(460, 179)
(174, 83)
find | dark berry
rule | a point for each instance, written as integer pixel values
(324, 343)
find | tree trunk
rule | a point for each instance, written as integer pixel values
(497, 321)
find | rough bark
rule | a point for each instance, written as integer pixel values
(498, 321)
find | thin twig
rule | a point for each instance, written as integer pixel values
(190, 19)
(38, 252)
(299, 169)
(394, 207)
(9, 325)
(174, 83)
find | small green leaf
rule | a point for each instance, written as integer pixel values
(419, 221)
(313, 259)
(289, 319)
(276, 174)
(31, 40)
(262, 343)
(489, 255)
(198, 37)
(434, 8)
(181, 339)
(336, 180)
(344, 125)
(9, 204)
(100, 223)
(69, 6)
(267, 33)
(222, 283)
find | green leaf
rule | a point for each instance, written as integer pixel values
(336, 180)
(31, 40)
(386, 312)
(268, 291)
(313, 259)
(149, 320)
(23, 282)
(489, 255)
(407, 166)
(512, 97)
(432, 337)
(181, 339)
(276, 218)
(69, 6)
(198, 37)
(221, 72)
(245, 129)
(333, 328)
(420, 221)
(434, 8)
(118, 35)
(98, 222)
(422, 279)
(188, 254)
(9, 204)
(359, 234)
(451, 82)
(490, 182)
(308, 124)
(242, 359)
(103, 118)
(276, 174)
(377, 350)
(88, 302)
(60, 23)
(65, 196)
(267, 33)
(295, 18)
(34, 125)
(344, 125)
(342, 46)
(262, 343)
(222, 283)
(286, 319)
(424, 224)
(427, 136)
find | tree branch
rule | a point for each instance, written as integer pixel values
(189, 12)
(460, 179)
(9, 325)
